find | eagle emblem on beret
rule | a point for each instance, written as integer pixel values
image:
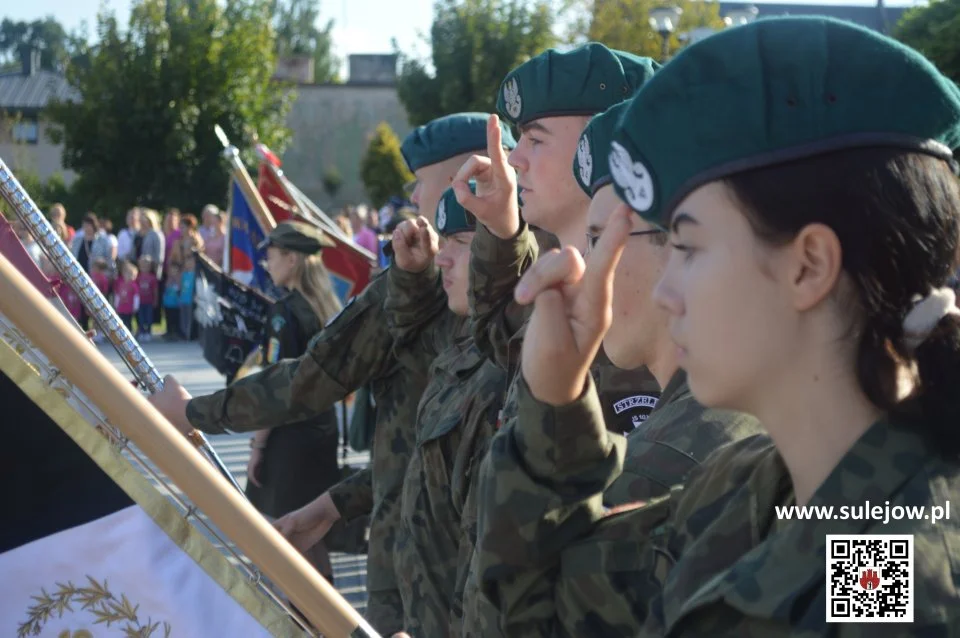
(511, 97)
(442, 215)
(632, 177)
(585, 160)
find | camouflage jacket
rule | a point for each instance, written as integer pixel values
(355, 348)
(499, 325)
(735, 569)
(677, 437)
(564, 467)
(456, 418)
(709, 558)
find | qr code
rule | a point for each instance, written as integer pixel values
(870, 578)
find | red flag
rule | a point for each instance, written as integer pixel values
(350, 266)
(273, 192)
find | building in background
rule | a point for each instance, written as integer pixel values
(24, 94)
(331, 125)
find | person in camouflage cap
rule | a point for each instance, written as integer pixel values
(787, 138)
(456, 419)
(354, 349)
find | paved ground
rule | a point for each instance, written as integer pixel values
(185, 361)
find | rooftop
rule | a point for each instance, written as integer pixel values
(30, 88)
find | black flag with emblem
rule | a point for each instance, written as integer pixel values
(232, 316)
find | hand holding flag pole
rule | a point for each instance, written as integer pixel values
(78, 360)
(95, 303)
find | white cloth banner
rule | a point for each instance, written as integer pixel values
(114, 576)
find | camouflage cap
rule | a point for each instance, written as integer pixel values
(453, 218)
(585, 81)
(449, 136)
(774, 91)
(591, 165)
(299, 237)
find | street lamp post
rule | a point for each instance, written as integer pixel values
(738, 17)
(664, 21)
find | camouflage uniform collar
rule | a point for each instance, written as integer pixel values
(769, 581)
(676, 389)
(461, 359)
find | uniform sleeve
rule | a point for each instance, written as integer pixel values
(541, 488)
(495, 268)
(354, 348)
(353, 496)
(280, 338)
(417, 315)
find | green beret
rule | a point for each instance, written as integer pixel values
(775, 91)
(585, 81)
(453, 218)
(299, 237)
(449, 136)
(591, 167)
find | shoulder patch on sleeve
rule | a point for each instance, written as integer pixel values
(273, 350)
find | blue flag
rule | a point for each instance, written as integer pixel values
(245, 235)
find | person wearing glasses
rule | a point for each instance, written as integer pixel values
(680, 432)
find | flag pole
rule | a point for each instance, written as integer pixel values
(257, 205)
(80, 363)
(95, 303)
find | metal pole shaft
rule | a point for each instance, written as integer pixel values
(93, 301)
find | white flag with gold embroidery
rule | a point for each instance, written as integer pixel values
(88, 547)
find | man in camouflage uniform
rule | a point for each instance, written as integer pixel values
(354, 349)
(455, 421)
(550, 98)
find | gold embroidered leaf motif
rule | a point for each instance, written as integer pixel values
(95, 598)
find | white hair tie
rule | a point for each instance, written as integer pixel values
(926, 314)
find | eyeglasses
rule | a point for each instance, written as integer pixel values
(592, 238)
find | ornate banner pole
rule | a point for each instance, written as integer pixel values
(93, 300)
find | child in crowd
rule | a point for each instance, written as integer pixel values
(100, 274)
(148, 289)
(126, 294)
(171, 301)
(187, 285)
(71, 300)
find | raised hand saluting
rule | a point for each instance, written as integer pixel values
(415, 244)
(572, 312)
(495, 202)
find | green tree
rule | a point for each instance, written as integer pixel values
(332, 181)
(934, 30)
(474, 44)
(382, 169)
(298, 34)
(625, 24)
(56, 46)
(152, 93)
